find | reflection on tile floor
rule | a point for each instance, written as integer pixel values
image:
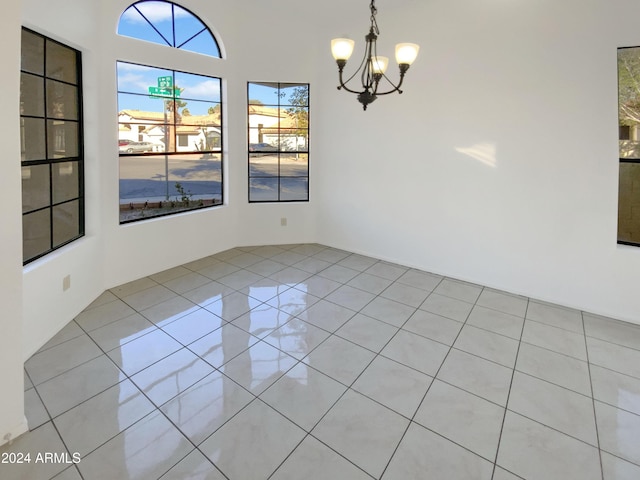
(307, 362)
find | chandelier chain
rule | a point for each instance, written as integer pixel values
(374, 23)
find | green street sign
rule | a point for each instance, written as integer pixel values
(164, 92)
(165, 82)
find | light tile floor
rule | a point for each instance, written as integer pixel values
(307, 362)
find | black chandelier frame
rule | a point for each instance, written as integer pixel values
(371, 73)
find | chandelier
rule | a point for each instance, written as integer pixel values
(373, 65)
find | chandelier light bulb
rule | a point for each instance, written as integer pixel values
(379, 64)
(406, 53)
(342, 48)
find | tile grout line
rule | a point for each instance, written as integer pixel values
(128, 377)
(257, 397)
(377, 354)
(593, 399)
(348, 387)
(506, 404)
(156, 409)
(444, 359)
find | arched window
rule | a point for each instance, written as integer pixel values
(168, 24)
(170, 132)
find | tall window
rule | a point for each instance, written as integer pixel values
(629, 144)
(169, 122)
(278, 117)
(51, 145)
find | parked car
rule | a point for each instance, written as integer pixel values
(136, 147)
(262, 147)
(123, 141)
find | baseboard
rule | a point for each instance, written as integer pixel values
(15, 432)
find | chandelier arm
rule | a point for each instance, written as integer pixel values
(396, 88)
(343, 84)
(372, 44)
(367, 77)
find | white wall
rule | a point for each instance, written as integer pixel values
(46, 307)
(12, 421)
(142, 248)
(111, 254)
(498, 165)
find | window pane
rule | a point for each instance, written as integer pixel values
(198, 87)
(294, 94)
(32, 52)
(132, 24)
(36, 237)
(294, 165)
(160, 15)
(134, 78)
(141, 108)
(629, 203)
(263, 93)
(31, 95)
(186, 25)
(294, 189)
(198, 175)
(193, 112)
(62, 100)
(65, 181)
(32, 139)
(146, 191)
(35, 187)
(263, 139)
(143, 179)
(66, 222)
(62, 139)
(190, 139)
(263, 189)
(141, 147)
(171, 125)
(294, 117)
(203, 43)
(263, 165)
(197, 138)
(294, 140)
(629, 102)
(61, 63)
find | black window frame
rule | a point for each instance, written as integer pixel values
(279, 151)
(628, 142)
(173, 207)
(48, 159)
(165, 41)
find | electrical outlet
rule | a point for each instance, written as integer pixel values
(66, 283)
(283, 222)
